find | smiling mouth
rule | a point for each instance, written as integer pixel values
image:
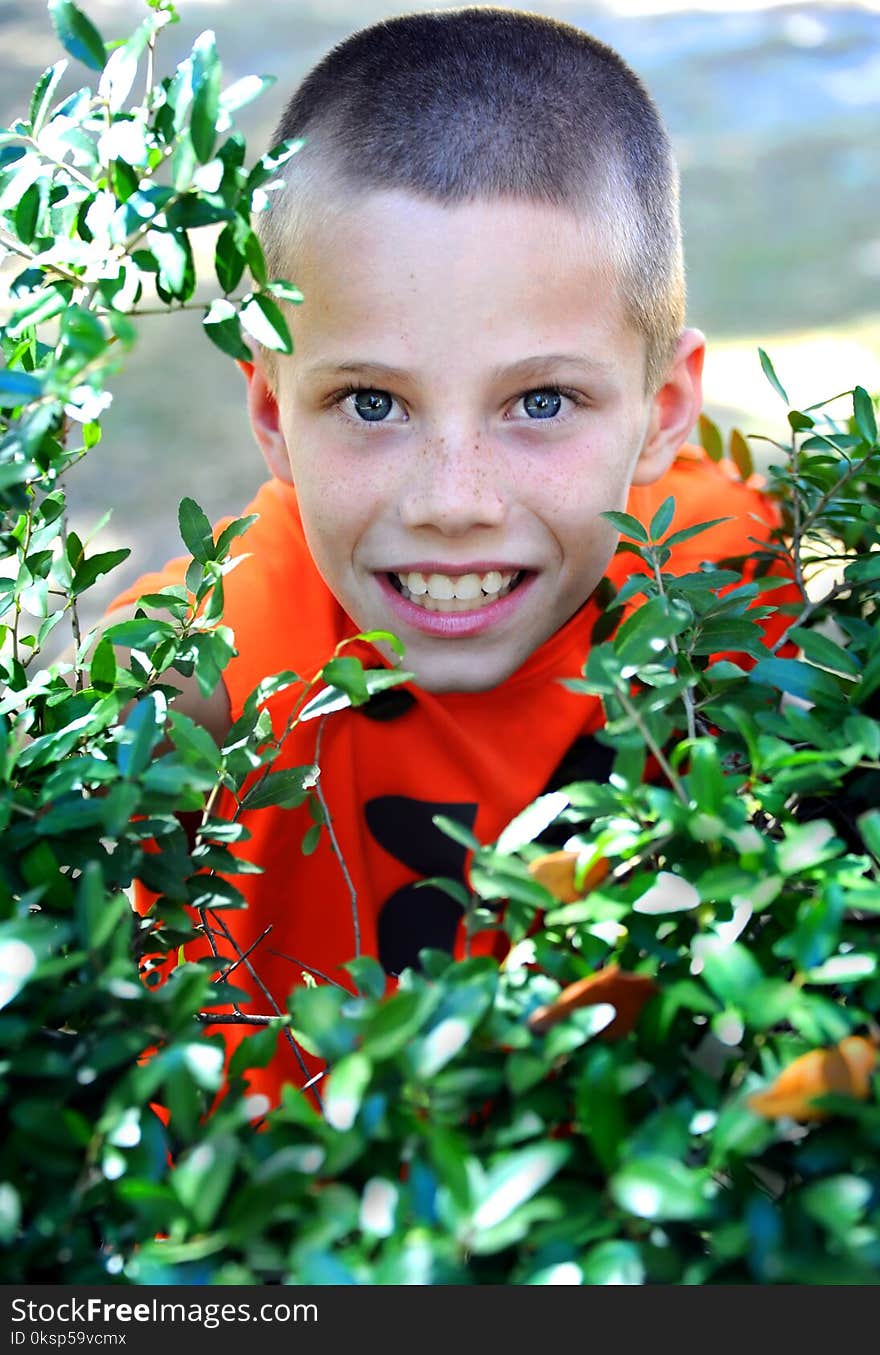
(456, 592)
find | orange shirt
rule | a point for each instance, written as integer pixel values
(388, 767)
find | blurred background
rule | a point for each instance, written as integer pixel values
(774, 109)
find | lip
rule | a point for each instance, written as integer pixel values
(456, 571)
(454, 625)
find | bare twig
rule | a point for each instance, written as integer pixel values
(265, 991)
(309, 968)
(633, 712)
(252, 947)
(334, 843)
(687, 695)
(845, 586)
(74, 615)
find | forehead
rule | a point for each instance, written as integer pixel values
(411, 269)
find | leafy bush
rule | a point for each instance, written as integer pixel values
(670, 1077)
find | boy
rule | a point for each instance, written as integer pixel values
(490, 353)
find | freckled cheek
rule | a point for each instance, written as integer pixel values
(338, 501)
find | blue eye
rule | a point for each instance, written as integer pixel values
(372, 406)
(542, 404)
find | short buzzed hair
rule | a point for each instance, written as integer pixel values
(481, 103)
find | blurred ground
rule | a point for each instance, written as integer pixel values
(774, 112)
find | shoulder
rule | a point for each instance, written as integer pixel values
(704, 491)
(278, 606)
(282, 615)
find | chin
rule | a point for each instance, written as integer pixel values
(441, 680)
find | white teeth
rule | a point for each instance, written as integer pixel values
(455, 593)
(440, 586)
(445, 587)
(468, 586)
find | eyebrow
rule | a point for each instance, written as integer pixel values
(536, 365)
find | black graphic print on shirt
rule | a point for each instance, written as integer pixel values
(415, 918)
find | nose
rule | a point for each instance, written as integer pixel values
(454, 485)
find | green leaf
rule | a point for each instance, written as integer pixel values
(687, 533)
(849, 968)
(206, 104)
(44, 91)
(533, 820)
(513, 1180)
(347, 675)
(375, 637)
(457, 831)
(710, 438)
(173, 258)
(660, 1188)
(863, 412)
(326, 701)
(223, 328)
(311, 838)
(42, 304)
(213, 651)
(194, 741)
(27, 213)
(77, 34)
(202, 1176)
(769, 372)
(256, 1051)
(100, 911)
(627, 525)
(287, 788)
(391, 1024)
(644, 633)
(669, 893)
(121, 68)
(195, 531)
(369, 976)
(228, 259)
(10, 1213)
(94, 566)
(613, 1262)
(139, 632)
(143, 729)
(18, 388)
(662, 519)
(285, 291)
(732, 974)
(797, 678)
(838, 1202)
(344, 1089)
(705, 777)
(102, 669)
(818, 649)
(452, 1024)
(210, 891)
(229, 534)
(741, 454)
(243, 91)
(869, 827)
(264, 321)
(26, 171)
(865, 569)
(317, 1020)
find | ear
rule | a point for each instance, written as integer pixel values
(674, 409)
(264, 418)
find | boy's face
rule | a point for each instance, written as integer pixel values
(465, 398)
